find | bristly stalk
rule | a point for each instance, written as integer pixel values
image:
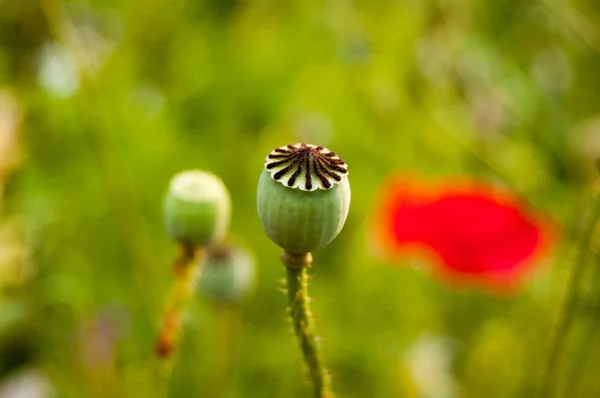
(186, 269)
(302, 320)
(567, 311)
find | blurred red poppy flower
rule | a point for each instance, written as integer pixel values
(472, 231)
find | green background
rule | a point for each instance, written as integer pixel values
(117, 96)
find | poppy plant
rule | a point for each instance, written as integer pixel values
(473, 232)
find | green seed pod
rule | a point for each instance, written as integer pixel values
(303, 197)
(197, 208)
(227, 274)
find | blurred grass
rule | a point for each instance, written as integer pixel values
(118, 96)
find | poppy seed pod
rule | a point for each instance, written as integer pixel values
(303, 197)
(197, 208)
(227, 274)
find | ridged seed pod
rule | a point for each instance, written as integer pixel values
(197, 208)
(303, 197)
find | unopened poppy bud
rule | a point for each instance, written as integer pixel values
(197, 208)
(303, 197)
(227, 274)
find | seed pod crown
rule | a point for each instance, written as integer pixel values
(305, 166)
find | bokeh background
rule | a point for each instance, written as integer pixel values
(101, 102)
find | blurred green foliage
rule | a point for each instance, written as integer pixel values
(116, 97)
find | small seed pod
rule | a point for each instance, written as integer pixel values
(227, 274)
(197, 208)
(303, 197)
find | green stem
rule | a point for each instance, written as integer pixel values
(302, 319)
(228, 329)
(186, 269)
(580, 360)
(578, 365)
(566, 314)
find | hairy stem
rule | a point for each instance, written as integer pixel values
(186, 269)
(566, 314)
(301, 316)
